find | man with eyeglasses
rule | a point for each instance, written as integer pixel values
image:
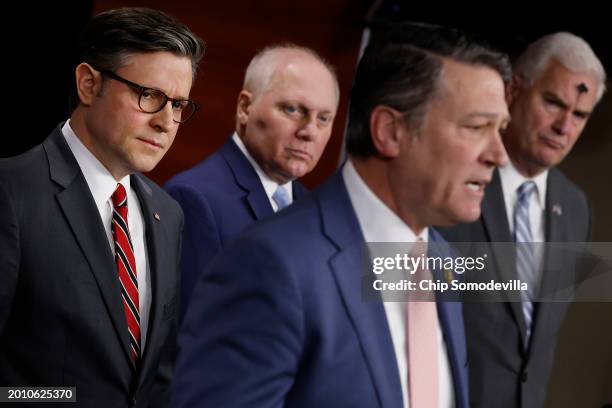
(89, 247)
(284, 119)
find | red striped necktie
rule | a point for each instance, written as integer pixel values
(126, 266)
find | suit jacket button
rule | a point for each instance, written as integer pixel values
(524, 376)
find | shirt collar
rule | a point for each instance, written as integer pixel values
(378, 222)
(101, 183)
(511, 180)
(269, 185)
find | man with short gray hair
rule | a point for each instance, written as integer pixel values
(557, 82)
(284, 120)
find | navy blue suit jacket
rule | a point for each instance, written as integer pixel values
(279, 320)
(220, 197)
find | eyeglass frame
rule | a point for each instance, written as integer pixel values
(142, 89)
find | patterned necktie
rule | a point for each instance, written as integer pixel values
(422, 340)
(525, 259)
(126, 266)
(281, 197)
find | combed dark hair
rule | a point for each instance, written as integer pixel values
(401, 68)
(111, 37)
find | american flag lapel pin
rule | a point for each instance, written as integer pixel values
(157, 217)
(556, 209)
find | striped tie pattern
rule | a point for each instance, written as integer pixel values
(525, 259)
(126, 266)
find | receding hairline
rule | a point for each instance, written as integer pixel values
(264, 67)
(569, 50)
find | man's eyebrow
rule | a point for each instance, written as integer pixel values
(306, 106)
(557, 100)
(488, 115)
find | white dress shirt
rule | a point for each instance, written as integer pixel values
(379, 224)
(511, 180)
(269, 185)
(102, 185)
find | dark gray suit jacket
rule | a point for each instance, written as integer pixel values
(503, 372)
(62, 321)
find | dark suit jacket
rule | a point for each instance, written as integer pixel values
(221, 196)
(279, 319)
(62, 320)
(502, 373)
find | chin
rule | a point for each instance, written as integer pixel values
(145, 167)
(468, 215)
(296, 173)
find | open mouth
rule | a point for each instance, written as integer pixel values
(476, 185)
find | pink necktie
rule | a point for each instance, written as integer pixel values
(422, 341)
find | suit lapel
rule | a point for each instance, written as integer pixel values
(450, 314)
(154, 231)
(368, 317)
(556, 227)
(556, 231)
(299, 190)
(496, 225)
(82, 215)
(246, 177)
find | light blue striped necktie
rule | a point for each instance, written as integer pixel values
(281, 197)
(525, 259)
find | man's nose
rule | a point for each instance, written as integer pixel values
(563, 123)
(308, 129)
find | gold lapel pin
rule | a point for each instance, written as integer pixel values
(448, 274)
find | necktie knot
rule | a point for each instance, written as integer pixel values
(119, 197)
(525, 190)
(281, 197)
(419, 248)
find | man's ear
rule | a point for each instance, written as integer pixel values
(88, 82)
(384, 131)
(245, 99)
(514, 88)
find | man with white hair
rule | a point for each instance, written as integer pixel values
(284, 118)
(557, 82)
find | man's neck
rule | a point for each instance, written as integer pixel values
(526, 169)
(374, 174)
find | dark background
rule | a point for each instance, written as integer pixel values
(39, 56)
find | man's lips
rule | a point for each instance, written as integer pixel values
(478, 185)
(299, 153)
(150, 142)
(552, 143)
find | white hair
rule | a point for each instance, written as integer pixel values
(264, 64)
(573, 52)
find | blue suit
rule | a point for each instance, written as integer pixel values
(278, 319)
(220, 197)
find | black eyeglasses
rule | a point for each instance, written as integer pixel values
(153, 100)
